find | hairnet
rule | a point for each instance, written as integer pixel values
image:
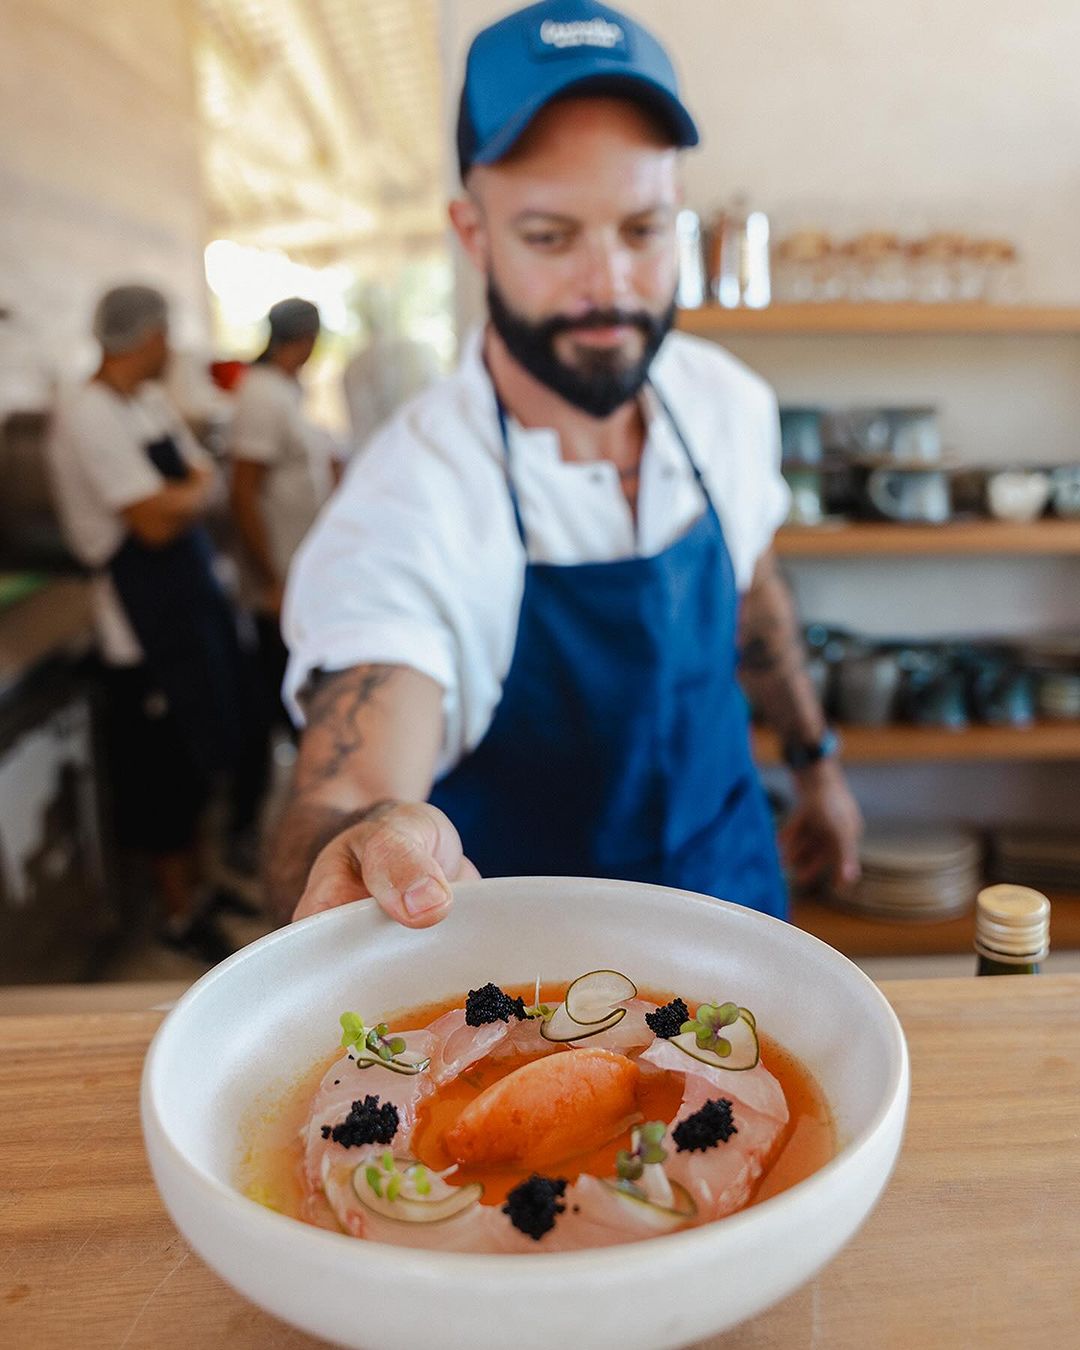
(128, 314)
(292, 319)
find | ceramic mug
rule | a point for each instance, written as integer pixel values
(915, 437)
(903, 435)
(806, 497)
(800, 435)
(866, 688)
(910, 496)
(1018, 495)
(1065, 487)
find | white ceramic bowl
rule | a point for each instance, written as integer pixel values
(268, 1013)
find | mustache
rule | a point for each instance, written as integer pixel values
(600, 318)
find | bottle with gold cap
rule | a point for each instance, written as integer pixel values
(1012, 930)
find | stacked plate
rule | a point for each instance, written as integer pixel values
(1045, 860)
(917, 872)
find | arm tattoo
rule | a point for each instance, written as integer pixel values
(772, 663)
(333, 704)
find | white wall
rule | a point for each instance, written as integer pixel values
(99, 172)
(935, 112)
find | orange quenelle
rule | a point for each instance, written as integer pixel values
(562, 1104)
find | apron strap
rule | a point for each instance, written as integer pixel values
(504, 432)
(515, 502)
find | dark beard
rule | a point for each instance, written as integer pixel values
(603, 381)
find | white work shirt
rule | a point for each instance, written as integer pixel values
(269, 427)
(99, 466)
(417, 561)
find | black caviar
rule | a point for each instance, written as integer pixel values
(706, 1128)
(366, 1123)
(668, 1020)
(534, 1205)
(490, 1004)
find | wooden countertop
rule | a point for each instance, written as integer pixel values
(976, 1242)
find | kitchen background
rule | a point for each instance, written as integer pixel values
(234, 151)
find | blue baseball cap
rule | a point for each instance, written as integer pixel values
(519, 65)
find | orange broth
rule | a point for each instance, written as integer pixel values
(272, 1171)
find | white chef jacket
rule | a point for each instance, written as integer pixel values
(417, 560)
(99, 467)
(269, 427)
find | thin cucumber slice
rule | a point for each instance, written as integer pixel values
(658, 1217)
(592, 998)
(560, 1027)
(741, 1035)
(456, 1201)
(407, 1062)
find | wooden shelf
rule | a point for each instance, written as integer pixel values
(859, 935)
(857, 539)
(906, 744)
(854, 319)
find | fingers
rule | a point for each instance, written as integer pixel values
(335, 879)
(406, 862)
(404, 857)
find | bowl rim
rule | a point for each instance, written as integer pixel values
(431, 1264)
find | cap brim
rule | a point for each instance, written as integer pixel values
(637, 88)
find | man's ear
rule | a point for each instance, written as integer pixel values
(468, 222)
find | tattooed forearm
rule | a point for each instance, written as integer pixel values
(772, 660)
(373, 734)
(332, 707)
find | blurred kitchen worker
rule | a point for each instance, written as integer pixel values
(385, 373)
(516, 631)
(283, 470)
(133, 488)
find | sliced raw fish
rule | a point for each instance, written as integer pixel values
(459, 1045)
(473, 1230)
(756, 1088)
(720, 1179)
(344, 1083)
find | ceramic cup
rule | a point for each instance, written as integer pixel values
(1065, 489)
(1018, 495)
(902, 435)
(806, 496)
(910, 496)
(866, 688)
(800, 435)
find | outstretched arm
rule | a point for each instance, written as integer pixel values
(356, 822)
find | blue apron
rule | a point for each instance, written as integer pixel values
(187, 630)
(621, 745)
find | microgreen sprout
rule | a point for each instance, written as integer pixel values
(707, 1025)
(385, 1179)
(646, 1148)
(370, 1044)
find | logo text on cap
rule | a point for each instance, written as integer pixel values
(581, 33)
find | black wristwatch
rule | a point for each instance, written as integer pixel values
(799, 755)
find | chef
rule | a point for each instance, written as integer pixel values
(283, 468)
(520, 635)
(133, 489)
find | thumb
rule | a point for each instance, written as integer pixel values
(407, 860)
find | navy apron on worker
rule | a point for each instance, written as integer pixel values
(621, 744)
(187, 630)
